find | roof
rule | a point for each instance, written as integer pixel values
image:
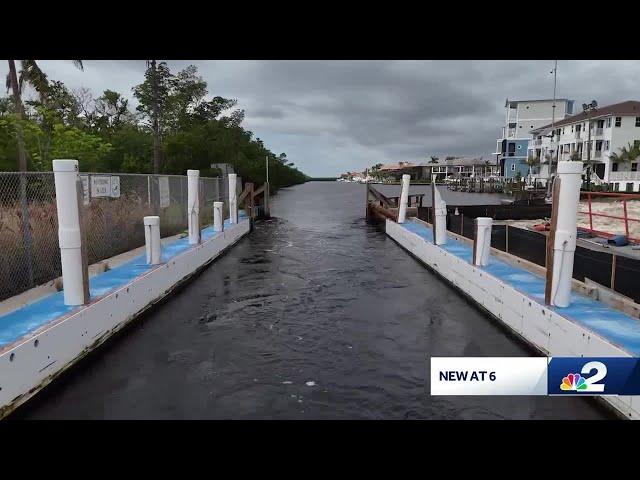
(398, 166)
(539, 100)
(630, 108)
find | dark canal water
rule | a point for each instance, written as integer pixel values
(316, 315)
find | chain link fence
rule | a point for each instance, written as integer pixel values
(113, 208)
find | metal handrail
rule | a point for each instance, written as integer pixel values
(624, 198)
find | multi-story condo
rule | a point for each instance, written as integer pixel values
(612, 127)
(521, 117)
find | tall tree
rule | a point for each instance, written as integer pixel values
(155, 120)
(12, 81)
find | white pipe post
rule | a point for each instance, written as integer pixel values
(439, 208)
(564, 242)
(233, 199)
(69, 234)
(193, 205)
(218, 222)
(482, 241)
(152, 239)
(404, 196)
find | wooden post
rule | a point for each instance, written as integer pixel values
(551, 240)
(83, 242)
(613, 272)
(506, 238)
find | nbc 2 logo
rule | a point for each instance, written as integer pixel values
(577, 382)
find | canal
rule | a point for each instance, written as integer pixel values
(315, 315)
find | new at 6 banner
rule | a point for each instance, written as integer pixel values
(593, 376)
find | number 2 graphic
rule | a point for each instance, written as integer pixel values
(592, 381)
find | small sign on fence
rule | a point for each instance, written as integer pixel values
(163, 186)
(85, 189)
(105, 186)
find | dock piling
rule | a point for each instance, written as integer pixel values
(75, 275)
(404, 197)
(193, 205)
(218, 223)
(152, 239)
(233, 199)
(482, 241)
(563, 233)
(439, 207)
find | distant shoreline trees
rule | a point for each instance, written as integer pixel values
(193, 130)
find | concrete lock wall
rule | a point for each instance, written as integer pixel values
(32, 362)
(544, 329)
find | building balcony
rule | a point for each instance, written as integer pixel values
(597, 154)
(577, 135)
(537, 142)
(598, 132)
(616, 176)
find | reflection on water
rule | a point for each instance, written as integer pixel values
(315, 315)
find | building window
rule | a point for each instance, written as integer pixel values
(636, 143)
(599, 145)
(609, 122)
(571, 128)
(519, 147)
(606, 144)
(618, 121)
(637, 121)
(513, 167)
(511, 149)
(634, 166)
(614, 167)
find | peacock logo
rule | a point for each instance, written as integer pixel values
(574, 382)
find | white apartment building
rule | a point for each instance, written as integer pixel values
(612, 127)
(521, 117)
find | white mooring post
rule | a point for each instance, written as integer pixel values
(218, 222)
(233, 199)
(75, 275)
(193, 205)
(152, 239)
(561, 243)
(404, 196)
(482, 241)
(439, 209)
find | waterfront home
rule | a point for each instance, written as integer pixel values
(521, 117)
(608, 129)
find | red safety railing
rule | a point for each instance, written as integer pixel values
(623, 198)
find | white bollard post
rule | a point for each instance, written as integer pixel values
(218, 222)
(233, 199)
(74, 274)
(193, 205)
(482, 241)
(152, 239)
(566, 197)
(404, 195)
(439, 208)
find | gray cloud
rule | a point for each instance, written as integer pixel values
(334, 116)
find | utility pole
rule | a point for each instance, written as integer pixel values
(553, 118)
(588, 108)
(156, 123)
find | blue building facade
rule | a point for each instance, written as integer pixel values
(513, 157)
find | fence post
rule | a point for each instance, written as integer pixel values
(506, 238)
(26, 230)
(152, 239)
(193, 206)
(233, 199)
(74, 276)
(613, 272)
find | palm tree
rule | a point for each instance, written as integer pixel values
(627, 154)
(532, 161)
(31, 74)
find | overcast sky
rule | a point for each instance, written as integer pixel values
(334, 116)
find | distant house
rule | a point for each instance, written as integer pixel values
(459, 167)
(396, 170)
